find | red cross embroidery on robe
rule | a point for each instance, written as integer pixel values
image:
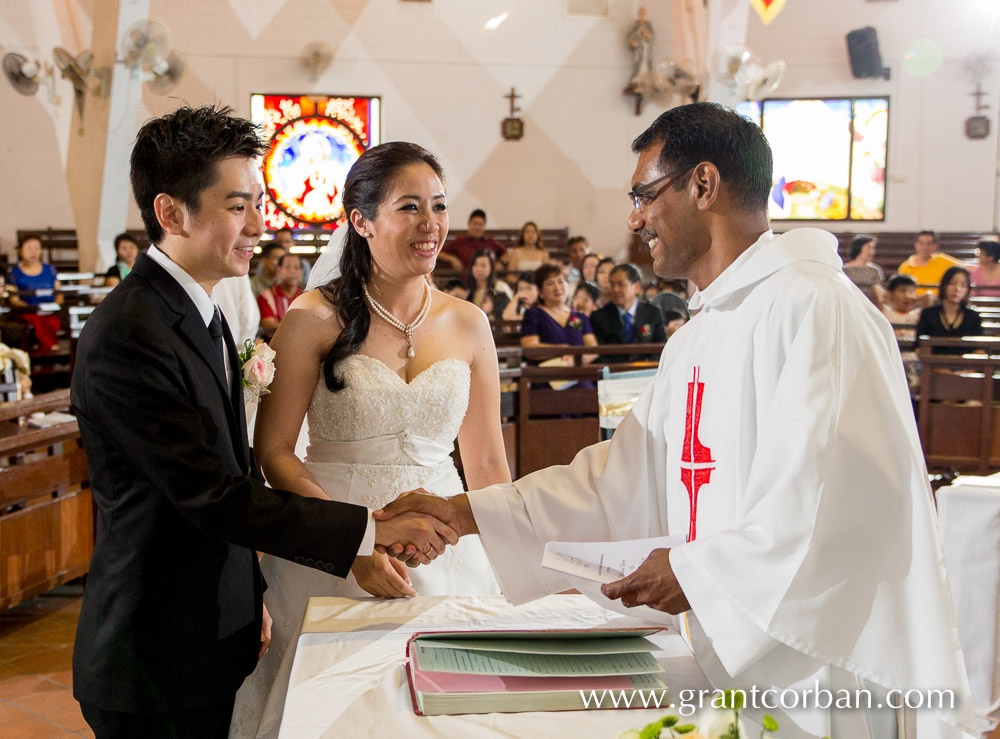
(696, 458)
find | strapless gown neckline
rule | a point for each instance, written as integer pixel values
(378, 437)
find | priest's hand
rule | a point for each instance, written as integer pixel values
(423, 536)
(652, 584)
(455, 512)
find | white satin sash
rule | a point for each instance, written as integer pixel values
(423, 451)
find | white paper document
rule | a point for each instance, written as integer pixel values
(47, 420)
(475, 662)
(603, 561)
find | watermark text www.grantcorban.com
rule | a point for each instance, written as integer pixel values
(690, 701)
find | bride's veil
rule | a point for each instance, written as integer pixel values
(327, 267)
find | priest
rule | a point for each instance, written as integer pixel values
(778, 438)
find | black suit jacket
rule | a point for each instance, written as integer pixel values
(609, 329)
(171, 612)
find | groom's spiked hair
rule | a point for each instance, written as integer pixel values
(177, 154)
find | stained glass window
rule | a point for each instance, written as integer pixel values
(313, 141)
(829, 156)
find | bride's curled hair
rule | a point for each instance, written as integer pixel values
(365, 190)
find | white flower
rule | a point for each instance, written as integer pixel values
(257, 372)
(258, 367)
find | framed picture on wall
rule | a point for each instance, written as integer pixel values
(313, 142)
(829, 156)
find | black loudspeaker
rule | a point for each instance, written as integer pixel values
(866, 61)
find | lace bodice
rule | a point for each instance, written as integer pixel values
(378, 402)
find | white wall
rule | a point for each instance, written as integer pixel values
(937, 178)
(441, 77)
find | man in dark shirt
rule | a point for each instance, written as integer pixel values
(626, 319)
(458, 253)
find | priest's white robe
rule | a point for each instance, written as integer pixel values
(783, 406)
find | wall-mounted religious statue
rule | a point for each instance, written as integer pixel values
(640, 43)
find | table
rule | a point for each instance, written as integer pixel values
(348, 679)
(969, 513)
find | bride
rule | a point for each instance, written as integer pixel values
(390, 372)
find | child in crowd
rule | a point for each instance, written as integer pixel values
(902, 307)
(673, 320)
(585, 298)
(525, 296)
(457, 288)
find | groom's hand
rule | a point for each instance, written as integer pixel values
(424, 536)
(455, 512)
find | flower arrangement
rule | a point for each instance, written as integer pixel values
(22, 363)
(645, 331)
(257, 371)
(575, 323)
(717, 724)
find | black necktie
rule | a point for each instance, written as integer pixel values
(215, 329)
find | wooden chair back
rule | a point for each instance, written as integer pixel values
(958, 412)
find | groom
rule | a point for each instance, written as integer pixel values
(172, 617)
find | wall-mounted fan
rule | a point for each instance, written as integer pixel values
(671, 77)
(168, 75)
(737, 68)
(145, 45)
(23, 74)
(766, 80)
(146, 52)
(77, 71)
(315, 58)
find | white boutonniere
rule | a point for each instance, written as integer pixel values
(257, 371)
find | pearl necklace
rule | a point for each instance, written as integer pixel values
(406, 328)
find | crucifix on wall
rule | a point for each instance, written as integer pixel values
(512, 128)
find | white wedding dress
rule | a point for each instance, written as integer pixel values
(378, 437)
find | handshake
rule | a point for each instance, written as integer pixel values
(418, 526)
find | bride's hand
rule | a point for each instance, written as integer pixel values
(382, 576)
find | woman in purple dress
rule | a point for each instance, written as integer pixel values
(550, 322)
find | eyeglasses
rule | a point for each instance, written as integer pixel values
(637, 197)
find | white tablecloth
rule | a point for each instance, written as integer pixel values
(348, 678)
(969, 513)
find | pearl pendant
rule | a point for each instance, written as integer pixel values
(411, 353)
